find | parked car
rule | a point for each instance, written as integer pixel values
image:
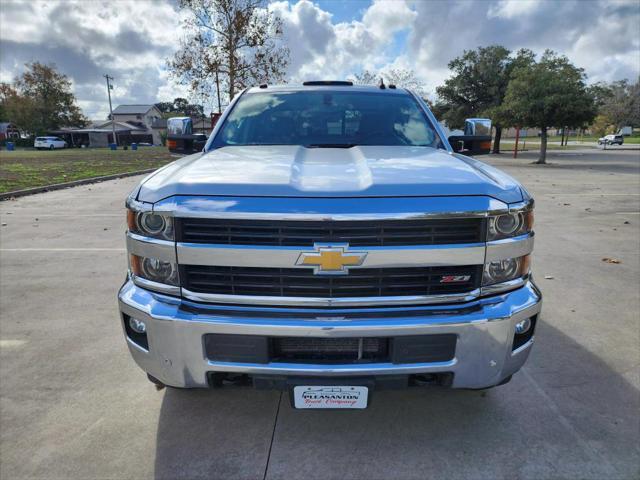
(331, 238)
(611, 140)
(49, 143)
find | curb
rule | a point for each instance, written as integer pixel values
(75, 183)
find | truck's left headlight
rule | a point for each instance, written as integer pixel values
(150, 224)
(155, 270)
(507, 269)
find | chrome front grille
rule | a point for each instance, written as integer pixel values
(360, 282)
(359, 233)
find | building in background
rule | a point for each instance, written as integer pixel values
(140, 116)
(8, 130)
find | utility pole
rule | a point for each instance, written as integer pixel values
(113, 125)
(218, 91)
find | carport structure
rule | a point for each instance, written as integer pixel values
(101, 135)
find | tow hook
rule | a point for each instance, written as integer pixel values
(159, 385)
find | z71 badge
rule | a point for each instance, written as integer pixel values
(455, 278)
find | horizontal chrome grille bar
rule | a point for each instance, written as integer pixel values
(286, 257)
(331, 302)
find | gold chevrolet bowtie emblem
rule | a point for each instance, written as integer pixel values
(331, 259)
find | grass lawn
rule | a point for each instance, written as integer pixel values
(586, 138)
(536, 146)
(32, 168)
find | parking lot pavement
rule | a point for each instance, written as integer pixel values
(73, 405)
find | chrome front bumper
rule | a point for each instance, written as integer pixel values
(483, 358)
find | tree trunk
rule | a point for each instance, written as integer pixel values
(542, 159)
(496, 139)
(562, 138)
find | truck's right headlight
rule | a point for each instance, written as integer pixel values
(150, 224)
(500, 271)
(154, 270)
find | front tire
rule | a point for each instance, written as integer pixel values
(51, 147)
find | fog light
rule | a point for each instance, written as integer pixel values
(137, 326)
(523, 326)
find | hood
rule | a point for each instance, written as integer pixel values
(361, 171)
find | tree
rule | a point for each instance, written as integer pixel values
(601, 125)
(40, 100)
(238, 41)
(621, 103)
(401, 77)
(478, 86)
(15, 108)
(164, 107)
(551, 92)
(7, 95)
(180, 106)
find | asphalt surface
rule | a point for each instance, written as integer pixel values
(73, 405)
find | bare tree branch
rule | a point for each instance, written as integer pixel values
(238, 39)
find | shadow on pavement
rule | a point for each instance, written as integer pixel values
(214, 433)
(579, 160)
(566, 415)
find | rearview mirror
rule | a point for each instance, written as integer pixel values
(476, 139)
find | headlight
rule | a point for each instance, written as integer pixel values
(155, 270)
(510, 225)
(150, 224)
(504, 270)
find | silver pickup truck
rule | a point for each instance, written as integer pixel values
(329, 241)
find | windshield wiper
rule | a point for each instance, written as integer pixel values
(330, 145)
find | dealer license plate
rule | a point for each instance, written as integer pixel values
(341, 396)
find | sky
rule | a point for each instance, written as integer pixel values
(328, 39)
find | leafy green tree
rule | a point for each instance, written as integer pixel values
(550, 92)
(164, 107)
(180, 106)
(602, 126)
(622, 104)
(478, 85)
(237, 42)
(50, 100)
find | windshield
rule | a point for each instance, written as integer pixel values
(327, 119)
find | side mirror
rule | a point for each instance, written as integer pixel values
(476, 139)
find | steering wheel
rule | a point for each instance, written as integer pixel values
(376, 133)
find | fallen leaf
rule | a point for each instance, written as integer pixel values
(611, 260)
(627, 222)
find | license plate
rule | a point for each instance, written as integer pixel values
(318, 396)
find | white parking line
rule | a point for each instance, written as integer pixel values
(592, 194)
(63, 215)
(12, 343)
(62, 249)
